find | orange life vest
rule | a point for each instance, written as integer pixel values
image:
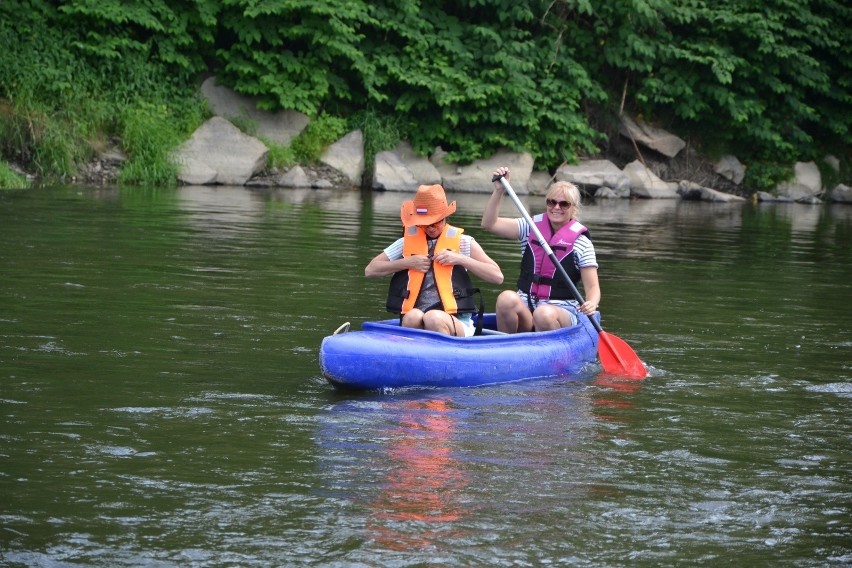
(452, 281)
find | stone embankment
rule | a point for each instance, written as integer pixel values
(220, 153)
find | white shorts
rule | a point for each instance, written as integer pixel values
(467, 322)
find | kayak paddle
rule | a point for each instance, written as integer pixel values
(616, 356)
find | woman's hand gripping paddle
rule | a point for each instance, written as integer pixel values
(616, 356)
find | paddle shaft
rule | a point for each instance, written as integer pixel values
(547, 249)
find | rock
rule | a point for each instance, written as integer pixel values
(833, 163)
(590, 175)
(296, 177)
(842, 194)
(694, 192)
(764, 196)
(279, 127)
(644, 183)
(656, 139)
(113, 157)
(476, 176)
(420, 167)
(806, 184)
(219, 153)
(729, 167)
(539, 182)
(392, 174)
(606, 193)
(347, 156)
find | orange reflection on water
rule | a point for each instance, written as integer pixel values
(617, 395)
(422, 494)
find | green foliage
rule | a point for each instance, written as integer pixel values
(280, 156)
(381, 132)
(318, 135)
(317, 59)
(490, 81)
(765, 176)
(149, 137)
(473, 76)
(69, 88)
(46, 137)
(769, 81)
(167, 33)
(832, 176)
(11, 180)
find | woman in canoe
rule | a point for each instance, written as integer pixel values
(431, 288)
(543, 301)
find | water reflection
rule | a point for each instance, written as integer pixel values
(422, 483)
(398, 457)
(614, 395)
(423, 466)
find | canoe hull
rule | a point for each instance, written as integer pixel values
(384, 355)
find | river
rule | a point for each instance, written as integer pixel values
(162, 404)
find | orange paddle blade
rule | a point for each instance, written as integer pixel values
(618, 358)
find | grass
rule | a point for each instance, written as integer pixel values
(9, 179)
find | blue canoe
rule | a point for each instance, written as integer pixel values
(383, 355)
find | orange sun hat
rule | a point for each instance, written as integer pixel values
(428, 206)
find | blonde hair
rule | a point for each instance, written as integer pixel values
(569, 191)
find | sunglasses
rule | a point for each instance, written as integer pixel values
(436, 224)
(562, 204)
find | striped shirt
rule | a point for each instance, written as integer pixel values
(394, 251)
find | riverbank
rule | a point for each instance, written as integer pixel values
(638, 160)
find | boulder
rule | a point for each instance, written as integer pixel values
(420, 167)
(842, 194)
(729, 167)
(806, 184)
(606, 193)
(539, 183)
(279, 127)
(832, 162)
(401, 169)
(219, 153)
(476, 176)
(295, 177)
(651, 137)
(591, 175)
(691, 191)
(765, 196)
(347, 156)
(390, 173)
(645, 183)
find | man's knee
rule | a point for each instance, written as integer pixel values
(414, 318)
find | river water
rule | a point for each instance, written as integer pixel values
(162, 404)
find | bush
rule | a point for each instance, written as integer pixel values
(765, 176)
(316, 137)
(381, 132)
(71, 86)
(11, 180)
(149, 137)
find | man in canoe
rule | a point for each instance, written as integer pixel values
(430, 287)
(543, 301)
